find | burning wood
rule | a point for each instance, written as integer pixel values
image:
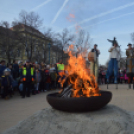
(66, 92)
(76, 87)
(78, 82)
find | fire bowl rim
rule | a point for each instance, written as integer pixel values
(80, 104)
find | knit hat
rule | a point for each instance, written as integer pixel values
(7, 70)
(48, 66)
(129, 44)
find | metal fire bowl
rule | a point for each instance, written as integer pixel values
(81, 104)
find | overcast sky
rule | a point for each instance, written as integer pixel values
(103, 19)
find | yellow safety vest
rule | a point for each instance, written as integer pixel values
(60, 67)
(25, 73)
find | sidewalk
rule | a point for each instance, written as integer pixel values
(17, 109)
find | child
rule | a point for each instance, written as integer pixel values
(126, 78)
(6, 84)
(122, 77)
(37, 78)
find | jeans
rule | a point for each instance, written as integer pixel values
(36, 86)
(21, 87)
(113, 65)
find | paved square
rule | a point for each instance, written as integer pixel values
(16, 109)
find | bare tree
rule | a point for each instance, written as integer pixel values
(82, 44)
(48, 37)
(83, 39)
(123, 63)
(64, 39)
(27, 27)
(38, 53)
(57, 50)
(48, 33)
(8, 42)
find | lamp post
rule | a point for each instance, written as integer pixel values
(49, 45)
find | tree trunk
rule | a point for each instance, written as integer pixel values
(8, 58)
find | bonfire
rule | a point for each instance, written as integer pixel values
(78, 81)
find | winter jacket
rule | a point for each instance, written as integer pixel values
(38, 76)
(6, 81)
(2, 68)
(48, 78)
(15, 71)
(16, 67)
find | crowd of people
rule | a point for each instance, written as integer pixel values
(28, 78)
(32, 78)
(121, 78)
(113, 74)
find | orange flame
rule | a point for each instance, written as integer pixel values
(71, 17)
(79, 77)
(84, 83)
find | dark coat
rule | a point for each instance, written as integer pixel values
(15, 71)
(2, 68)
(38, 76)
(16, 67)
(6, 81)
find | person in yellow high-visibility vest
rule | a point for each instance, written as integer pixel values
(27, 77)
(60, 70)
